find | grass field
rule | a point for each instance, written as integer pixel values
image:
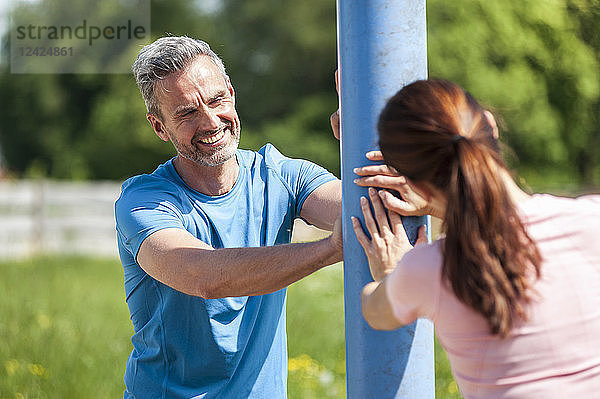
(65, 330)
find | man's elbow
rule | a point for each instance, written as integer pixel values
(205, 289)
(208, 288)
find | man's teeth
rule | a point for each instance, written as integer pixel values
(214, 138)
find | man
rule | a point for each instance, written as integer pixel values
(204, 239)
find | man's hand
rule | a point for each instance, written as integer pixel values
(388, 242)
(334, 119)
(336, 238)
(414, 202)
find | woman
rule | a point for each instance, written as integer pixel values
(513, 285)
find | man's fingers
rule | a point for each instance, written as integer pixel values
(337, 82)
(374, 156)
(334, 119)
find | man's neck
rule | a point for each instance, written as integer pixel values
(209, 180)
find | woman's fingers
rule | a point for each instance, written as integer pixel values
(368, 216)
(373, 170)
(422, 235)
(375, 156)
(360, 234)
(395, 204)
(396, 183)
(395, 221)
(379, 210)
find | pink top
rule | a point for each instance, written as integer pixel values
(556, 353)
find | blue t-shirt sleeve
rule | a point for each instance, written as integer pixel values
(301, 176)
(146, 205)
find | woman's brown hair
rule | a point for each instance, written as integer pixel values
(433, 131)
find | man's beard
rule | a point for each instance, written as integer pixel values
(215, 156)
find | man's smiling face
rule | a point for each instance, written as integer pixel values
(198, 113)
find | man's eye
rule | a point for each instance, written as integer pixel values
(217, 101)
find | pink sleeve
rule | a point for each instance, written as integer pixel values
(413, 287)
(593, 199)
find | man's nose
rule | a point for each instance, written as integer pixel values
(210, 120)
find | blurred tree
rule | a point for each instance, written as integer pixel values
(526, 59)
(118, 141)
(281, 57)
(587, 150)
(43, 117)
(535, 61)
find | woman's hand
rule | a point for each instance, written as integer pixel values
(414, 201)
(388, 242)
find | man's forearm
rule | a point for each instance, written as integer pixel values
(198, 270)
(262, 270)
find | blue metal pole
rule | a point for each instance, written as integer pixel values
(382, 47)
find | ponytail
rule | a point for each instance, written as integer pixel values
(434, 132)
(487, 251)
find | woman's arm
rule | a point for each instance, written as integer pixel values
(377, 309)
(387, 245)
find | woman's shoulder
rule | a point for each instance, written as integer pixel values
(548, 204)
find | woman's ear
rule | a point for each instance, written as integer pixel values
(492, 122)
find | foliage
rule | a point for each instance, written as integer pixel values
(526, 59)
(64, 328)
(536, 62)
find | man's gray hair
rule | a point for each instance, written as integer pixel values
(163, 57)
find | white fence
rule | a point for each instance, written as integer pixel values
(44, 217)
(41, 217)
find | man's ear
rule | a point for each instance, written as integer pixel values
(158, 126)
(492, 122)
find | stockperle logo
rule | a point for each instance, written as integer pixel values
(92, 36)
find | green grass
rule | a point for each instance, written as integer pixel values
(65, 332)
(64, 329)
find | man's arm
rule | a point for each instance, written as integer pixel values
(176, 258)
(323, 206)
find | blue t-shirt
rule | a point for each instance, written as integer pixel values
(186, 346)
